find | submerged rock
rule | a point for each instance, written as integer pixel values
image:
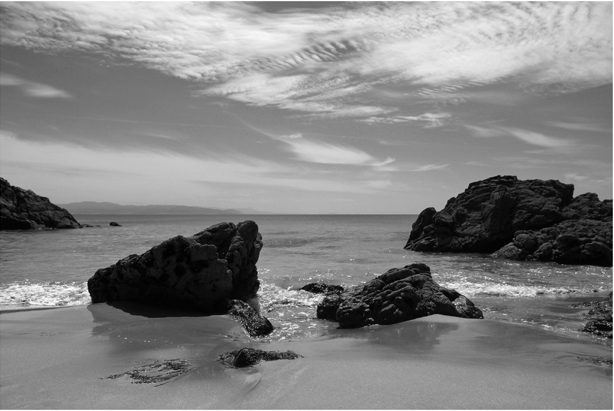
(24, 210)
(155, 373)
(322, 288)
(202, 272)
(599, 317)
(255, 324)
(246, 357)
(532, 220)
(400, 294)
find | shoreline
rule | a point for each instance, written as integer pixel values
(61, 358)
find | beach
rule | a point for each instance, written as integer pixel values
(60, 358)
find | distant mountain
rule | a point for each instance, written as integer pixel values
(94, 207)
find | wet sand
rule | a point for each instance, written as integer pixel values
(58, 359)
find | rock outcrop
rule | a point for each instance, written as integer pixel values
(531, 220)
(203, 272)
(24, 210)
(400, 294)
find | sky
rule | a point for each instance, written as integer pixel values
(302, 107)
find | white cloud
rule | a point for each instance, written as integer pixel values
(531, 137)
(327, 60)
(431, 167)
(580, 126)
(575, 176)
(149, 171)
(32, 89)
(431, 120)
(325, 153)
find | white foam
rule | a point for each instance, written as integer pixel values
(470, 289)
(52, 294)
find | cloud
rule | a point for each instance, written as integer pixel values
(431, 120)
(325, 153)
(153, 170)
(580, 127)
(329, 61)
(531, 137)
(32, 89)
(575, 176)
(430, 167)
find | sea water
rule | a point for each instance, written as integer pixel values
(51, 268)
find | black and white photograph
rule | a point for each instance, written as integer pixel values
(306, 205)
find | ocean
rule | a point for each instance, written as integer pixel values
(51, 268)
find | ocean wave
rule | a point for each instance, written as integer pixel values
(491, 289)
(48, 294)
(272, 297)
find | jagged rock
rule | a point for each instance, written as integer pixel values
(532, 220)
(400, 294)
(202, 272)
(322, 288)
(255, 324)
(246, 357)
(24, 210)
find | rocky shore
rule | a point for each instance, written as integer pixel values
(531, 220)
(25, 210)
(214, 272)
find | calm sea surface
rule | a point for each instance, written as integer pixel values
(51, 268)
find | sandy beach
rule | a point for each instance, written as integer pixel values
(60, 358)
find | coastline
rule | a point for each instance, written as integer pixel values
(60, 358)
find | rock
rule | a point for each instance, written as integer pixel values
(156, 372)
(255, 324)
(114, 224)
(327, 308)
(599, 317)
(322, 288)
(24, 210)
(247, 357)
(400, 294)
(202, 272)
(531, 220)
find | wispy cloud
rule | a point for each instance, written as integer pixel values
(580, 126)
(32, 89)
(430, 120)
(430, 167)
(150, 170)
(530, 137)
(329, 61)
(325, 153)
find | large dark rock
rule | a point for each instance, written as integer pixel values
(532, 220)
(24, 210)
(400, 294)
(203, 272)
